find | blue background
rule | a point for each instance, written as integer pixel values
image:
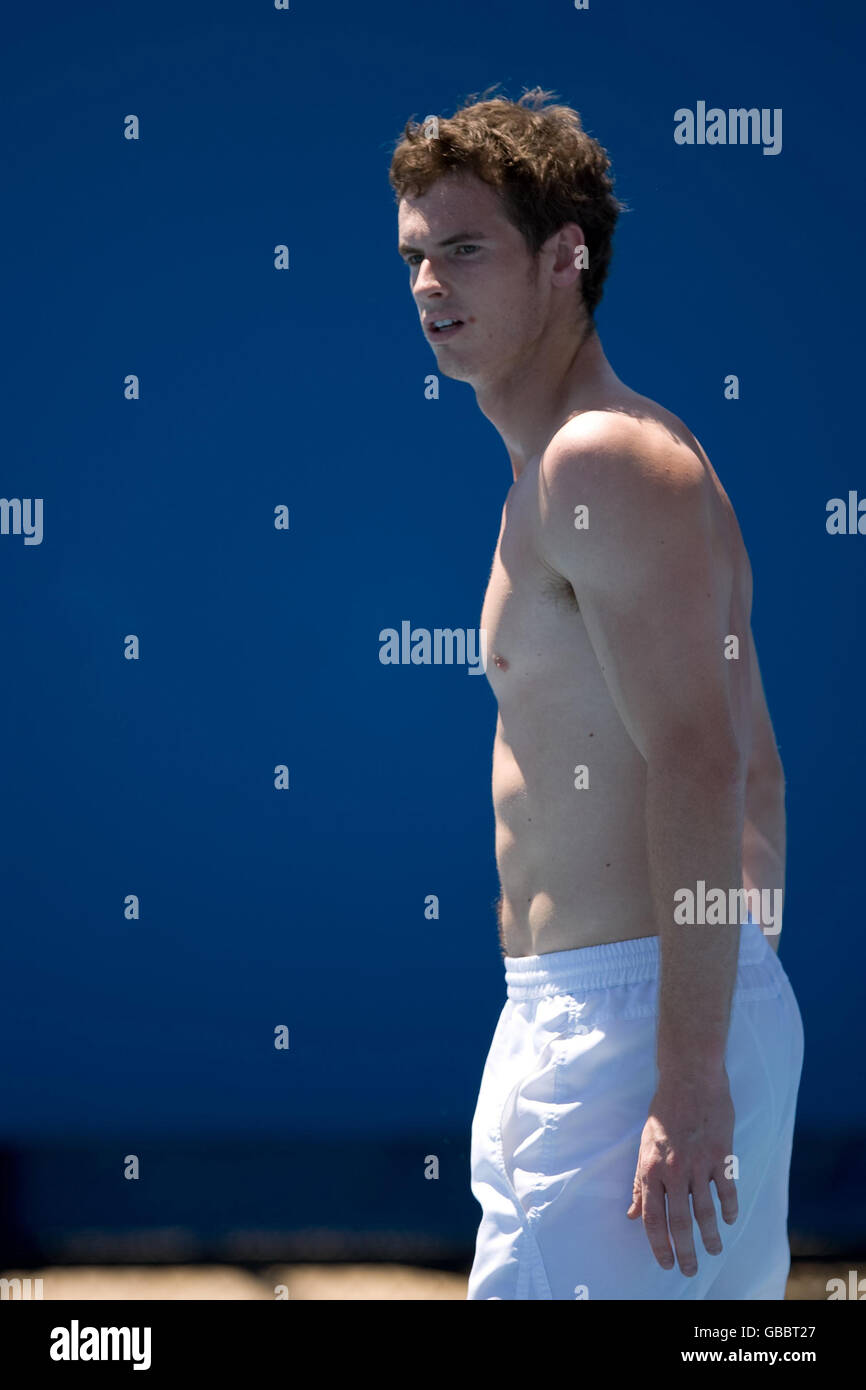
(260, 647)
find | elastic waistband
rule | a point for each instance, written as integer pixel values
(603, 967)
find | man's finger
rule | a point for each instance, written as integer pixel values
(655, 1222)
(680, 1222)
(705, 1215)
(635, 1208)
(727, 1190)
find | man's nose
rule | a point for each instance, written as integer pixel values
(427, 281)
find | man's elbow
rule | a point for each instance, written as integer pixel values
(766, 786)
(714, 759)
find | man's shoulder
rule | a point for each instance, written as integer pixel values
(634, 470)
(633, 484)
(630, 441)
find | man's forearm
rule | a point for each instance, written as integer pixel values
(695, 823)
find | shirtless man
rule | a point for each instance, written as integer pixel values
(639, 1054)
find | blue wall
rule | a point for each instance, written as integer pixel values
(260, 647)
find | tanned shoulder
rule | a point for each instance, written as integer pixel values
(608, 474)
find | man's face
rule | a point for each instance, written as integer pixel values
(468, 262)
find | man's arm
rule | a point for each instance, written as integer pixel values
(655, 591)
(764, 830)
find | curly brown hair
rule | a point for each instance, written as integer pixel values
(547, 171)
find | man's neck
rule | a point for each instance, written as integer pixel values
(566, 373)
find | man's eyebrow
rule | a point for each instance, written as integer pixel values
(405, 250)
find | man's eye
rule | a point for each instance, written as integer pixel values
(415, 256)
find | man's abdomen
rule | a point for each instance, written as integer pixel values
(571, 844)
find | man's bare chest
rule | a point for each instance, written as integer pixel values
(530, 614)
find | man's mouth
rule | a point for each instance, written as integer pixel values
(444, 327)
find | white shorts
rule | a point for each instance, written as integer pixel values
(563, 1101)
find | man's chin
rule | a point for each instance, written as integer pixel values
(457, 373)
(448, 365)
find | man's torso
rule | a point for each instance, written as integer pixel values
(572, 860)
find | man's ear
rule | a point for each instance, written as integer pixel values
(570, 254)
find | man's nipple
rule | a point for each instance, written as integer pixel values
(500, 661)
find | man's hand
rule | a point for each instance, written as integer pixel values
(686, 1143)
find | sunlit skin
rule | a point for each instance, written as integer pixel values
(520, 314)
(608, 652)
